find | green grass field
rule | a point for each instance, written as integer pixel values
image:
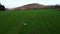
(44, 21)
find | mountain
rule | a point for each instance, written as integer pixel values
(35, 6)
(29, 6)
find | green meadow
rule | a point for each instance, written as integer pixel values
(43, 21)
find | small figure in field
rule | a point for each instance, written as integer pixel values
(25, 24)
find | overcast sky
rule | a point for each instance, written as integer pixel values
(16, 3)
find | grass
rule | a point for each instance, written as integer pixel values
(43, 21)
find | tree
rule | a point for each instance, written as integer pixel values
(57, 6)
(2, 7)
